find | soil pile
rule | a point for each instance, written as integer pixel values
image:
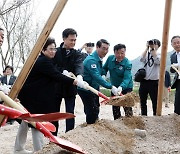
(162, 135)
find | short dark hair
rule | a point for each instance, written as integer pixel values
(99, 43)
(176, 36)
(119, 46)
(1, 29)
(8, 66)
(49, 41)
(68, 31)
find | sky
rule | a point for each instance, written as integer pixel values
(131, 22)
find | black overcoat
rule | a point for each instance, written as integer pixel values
(38, 93)
(72, 61)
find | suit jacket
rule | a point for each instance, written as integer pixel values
(167, 81)
(173, 59)
(72, 62)
(11, 80)
(38, 93)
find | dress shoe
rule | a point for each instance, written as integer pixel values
(23, 152)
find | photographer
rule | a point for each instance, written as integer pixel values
(149, 85)
(88, 48)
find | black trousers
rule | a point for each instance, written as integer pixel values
(177, 98)
(148, 87)
(70, 105)
(116, 109)
(91, 106)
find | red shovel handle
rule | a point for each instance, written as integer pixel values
(103, 96)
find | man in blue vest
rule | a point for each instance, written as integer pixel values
(119, 68)
(92, 75)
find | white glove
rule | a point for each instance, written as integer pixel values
(5, 88)
(79, 77)
(104, 77)
(66, 73)
(82, 84)
(114, 90)
(119, 90)
(175, 65)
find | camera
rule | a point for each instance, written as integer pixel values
(90, 44)
(152, 42)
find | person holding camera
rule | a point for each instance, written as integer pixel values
(119, 68)
(88, 48)
(149, 85)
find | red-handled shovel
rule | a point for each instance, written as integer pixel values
(38, 125)
(98, 93)
(13, 114)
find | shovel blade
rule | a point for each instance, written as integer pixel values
(47, 117)
(67, 145)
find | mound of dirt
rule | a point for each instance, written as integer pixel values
(122, 136)
(162, 136)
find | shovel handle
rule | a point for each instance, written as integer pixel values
(97, 92)
(91, 89)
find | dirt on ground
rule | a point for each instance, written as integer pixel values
(127, 135)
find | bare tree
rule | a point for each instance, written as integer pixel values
(21, 35)
(7, 6)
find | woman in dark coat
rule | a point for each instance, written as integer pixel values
(38, 94)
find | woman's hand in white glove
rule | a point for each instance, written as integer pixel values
(66, 73)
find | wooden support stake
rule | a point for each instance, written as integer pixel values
(35, 51)
(167, 16)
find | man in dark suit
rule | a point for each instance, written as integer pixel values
(175, 60)
(8, 78)
(69, 59)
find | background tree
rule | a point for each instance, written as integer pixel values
(21, 32)
(7, 5)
